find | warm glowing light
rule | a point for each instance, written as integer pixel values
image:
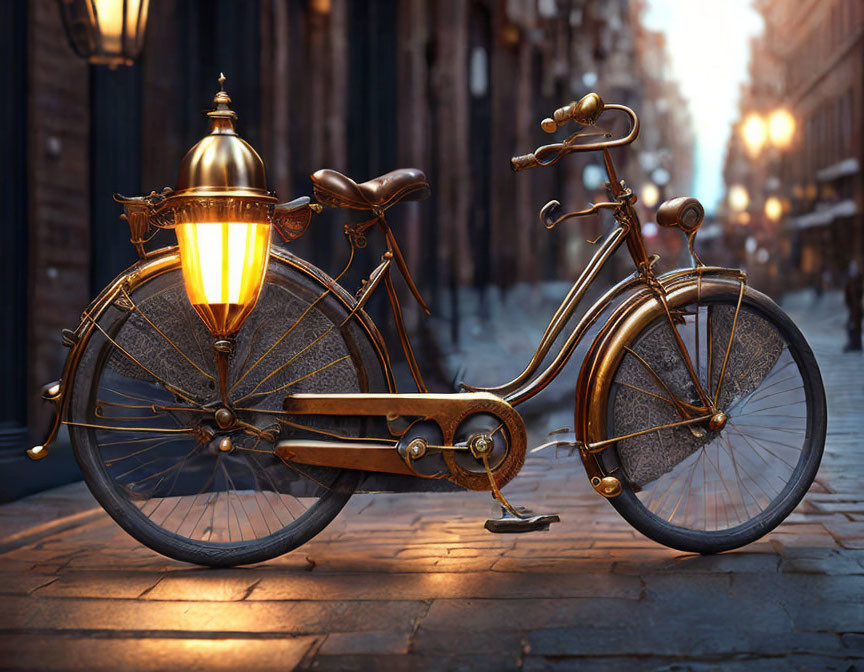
(781, 128)
(110, 19)
(739, 199)
(754, 133)
(650, 194)
(223, 269)
(743, 218)
(773, 208)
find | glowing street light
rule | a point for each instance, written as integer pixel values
(773, 208)
(777, 129)
(650, 195)
(739, 199)
(754, 133)
(781, 128)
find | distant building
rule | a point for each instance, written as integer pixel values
(809, 61)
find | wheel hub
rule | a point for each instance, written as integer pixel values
(717, 421)
(224, 418)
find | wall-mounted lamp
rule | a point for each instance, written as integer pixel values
(105, 32)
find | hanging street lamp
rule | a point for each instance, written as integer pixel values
(105, 32)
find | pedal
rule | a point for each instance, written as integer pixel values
(526, 521)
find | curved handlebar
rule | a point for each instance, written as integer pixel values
(586, 112)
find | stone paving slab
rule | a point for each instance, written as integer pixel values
(413, 582)
(36, 652)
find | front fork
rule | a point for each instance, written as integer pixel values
(629, 220)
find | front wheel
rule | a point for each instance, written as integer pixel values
(702, 489)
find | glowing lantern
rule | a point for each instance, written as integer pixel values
(222, 216)
(106, 32)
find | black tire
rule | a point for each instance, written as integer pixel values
(759, 316)
(251, 471)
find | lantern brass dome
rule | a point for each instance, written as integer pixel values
(222, 163)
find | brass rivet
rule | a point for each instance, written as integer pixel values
(225, 445)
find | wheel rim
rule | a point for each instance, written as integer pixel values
(737, 472)
(154, 385)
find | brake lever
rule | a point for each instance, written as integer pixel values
(549, 212)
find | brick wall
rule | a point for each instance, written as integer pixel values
(58, 191)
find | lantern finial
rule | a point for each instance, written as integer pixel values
(222, 111)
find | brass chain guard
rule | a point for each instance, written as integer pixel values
(448, 411)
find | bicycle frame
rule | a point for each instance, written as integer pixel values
(643, 294)
(525, 386)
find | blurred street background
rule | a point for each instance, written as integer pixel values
(756, 107)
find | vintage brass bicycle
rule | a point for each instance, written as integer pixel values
(225, 398)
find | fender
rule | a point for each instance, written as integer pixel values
(155, 264)
(601, 361)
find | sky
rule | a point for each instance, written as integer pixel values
(709, 48)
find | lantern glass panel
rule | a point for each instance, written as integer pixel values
(223, 269)
(112, 21)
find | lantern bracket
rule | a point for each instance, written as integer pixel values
(144, 214)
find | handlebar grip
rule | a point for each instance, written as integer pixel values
(522, 162)
(560, 117)
(564, 114)
(585, 111)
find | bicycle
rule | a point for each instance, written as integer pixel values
(700, 412)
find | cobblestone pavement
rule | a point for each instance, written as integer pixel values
(403, 582)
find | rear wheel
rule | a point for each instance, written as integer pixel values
(710, 490)
(143, 418)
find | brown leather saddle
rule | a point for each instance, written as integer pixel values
(336, 190)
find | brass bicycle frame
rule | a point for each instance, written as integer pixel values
(645, 297)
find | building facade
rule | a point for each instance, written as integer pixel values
(809, 62)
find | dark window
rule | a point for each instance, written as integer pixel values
(13, 232)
